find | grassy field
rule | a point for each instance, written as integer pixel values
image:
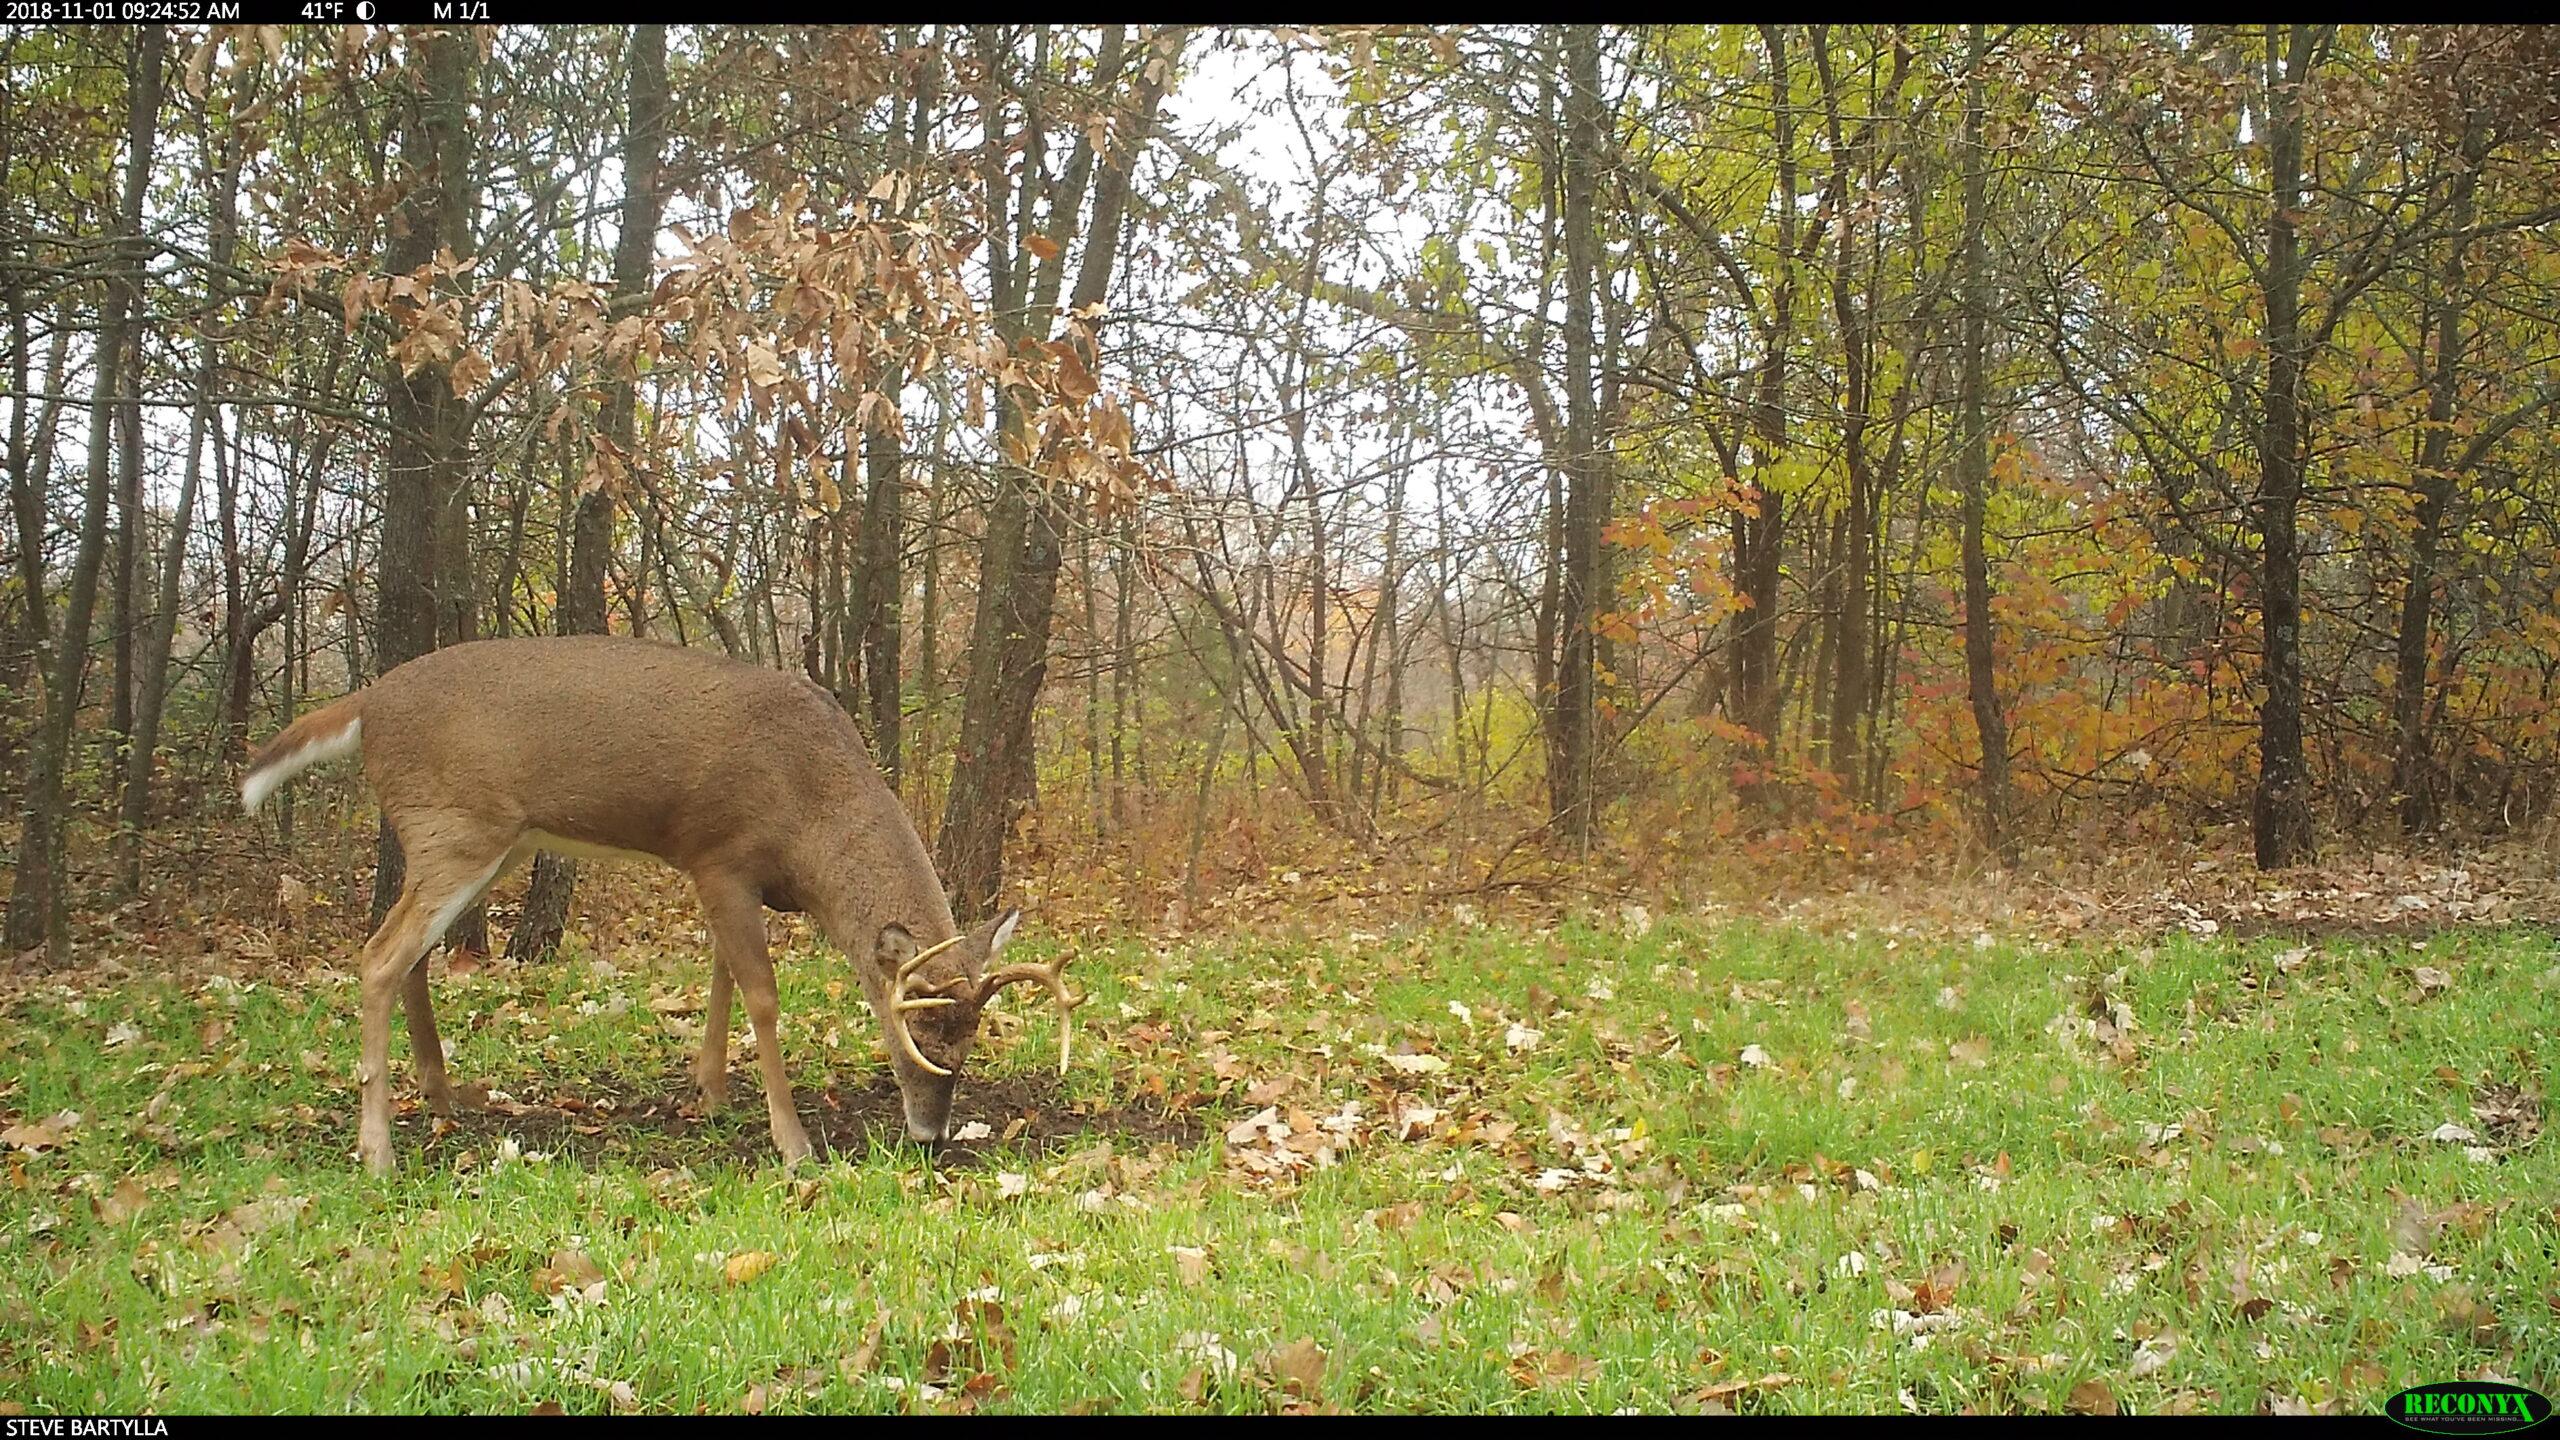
(1658, 1166)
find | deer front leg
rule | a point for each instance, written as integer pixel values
(711, 1066)
(737, 935)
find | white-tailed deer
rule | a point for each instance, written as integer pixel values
(751, 781)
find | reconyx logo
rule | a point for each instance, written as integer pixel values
(2468, 1407)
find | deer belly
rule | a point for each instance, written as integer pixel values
(577, 849)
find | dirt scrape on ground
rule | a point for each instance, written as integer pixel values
(662, 1123)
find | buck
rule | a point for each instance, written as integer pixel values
(751, 781)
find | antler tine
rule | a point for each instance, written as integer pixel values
(916, 961)
(1052, 978)
(900, 1005)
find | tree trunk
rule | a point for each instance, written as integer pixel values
(154, 695)
(1124, 664)
(1018, 569)
(544, 916)
(153, 679)
(1973, 465)
(2280, 818)
(2413, 771)
(424, 470)
(30, 481)
(1570, 797)
(1097, 800)
(38, 902)
(1759, 537)
(133, 535)
(881, 616)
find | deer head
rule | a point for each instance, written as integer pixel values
(933, 997)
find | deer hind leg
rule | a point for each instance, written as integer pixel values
(449, 865)
(737, 938)
(711, 1067)
(426, 1048)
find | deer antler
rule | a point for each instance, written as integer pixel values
(900, 1005)
(1046, 975)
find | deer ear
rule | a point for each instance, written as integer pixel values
(1002, 935)
(893, 948)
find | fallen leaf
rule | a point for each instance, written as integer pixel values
(123, 1203)
(747, 1265)
(2464, 1315)
(1938, 1291)
(1720, 1394)
(1298, 1366)
(568, 1270)
(866, 1354)
(1397, 1216)
(1536, 1370)
(2092, 1397)
(39, 1135)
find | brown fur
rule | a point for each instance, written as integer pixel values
(328, 720)
(753, 782)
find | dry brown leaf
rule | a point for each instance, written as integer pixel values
(1298, 1367)
(444, 1280)
(866, 1354)
(2464, 1314)
(32, 1136)
(2092, 1397)
(568, 1270)
(1541, 1369)
(123, 1203)
(1938, 1291)
(1398, 1216)
(1724, 1393)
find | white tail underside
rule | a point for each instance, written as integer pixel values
(264, 781)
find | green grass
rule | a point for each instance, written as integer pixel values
(1704, 1169)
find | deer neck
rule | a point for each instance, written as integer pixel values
(875, 873)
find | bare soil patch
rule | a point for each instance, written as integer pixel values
(661, 1123)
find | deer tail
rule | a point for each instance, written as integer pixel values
(331, 732)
